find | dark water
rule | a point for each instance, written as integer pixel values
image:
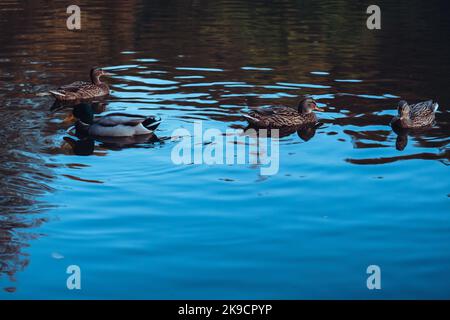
(353, 195)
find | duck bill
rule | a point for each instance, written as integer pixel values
(318, 109)
(69, 119)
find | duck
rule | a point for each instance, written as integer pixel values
(113, 124)
(81, 90)
(277, 117)
(416, 115)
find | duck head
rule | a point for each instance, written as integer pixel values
(97, 73)
(401, 142)
(403, 110)
(84, 113)
(308, 105)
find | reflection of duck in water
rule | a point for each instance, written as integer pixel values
(81, 90)
(83, 147)
(402, 138)
(305, 132)
(86, 146)
(129, 142)
(112, 124)
(282, 116)
(308, 131)
(97, 107)
(416, 115)
(402, 135)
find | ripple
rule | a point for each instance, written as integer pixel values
(370, 96)
(279, 87)
(210, 84)
(348, 80)
(146, 60)
(189, 77)
(257, 68)
(303, 85)
(121, 67)
(320, 73)
(154, 81)
(72, 177)
(200, 69)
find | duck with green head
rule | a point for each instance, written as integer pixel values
(113, 124)
(277, 117)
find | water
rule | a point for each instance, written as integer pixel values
(138, 226)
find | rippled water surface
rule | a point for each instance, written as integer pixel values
(351, 194)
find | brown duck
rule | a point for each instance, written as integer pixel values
(81, 90)
(281, 116)
(415, 115)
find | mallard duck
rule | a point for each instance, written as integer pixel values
(416, 115)
(81, 90)
(281, 116)
(112, 124)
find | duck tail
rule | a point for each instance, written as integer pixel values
(56, 94)
(151, 123)
(435, 106)
(43, 94)
(251, 119)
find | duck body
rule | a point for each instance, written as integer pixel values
(112, 124)
(278, 117)
(119, 125)
(415, 116)
(81, 90)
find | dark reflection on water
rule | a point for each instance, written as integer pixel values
(86, 146)
(210, 60)
(24, 176)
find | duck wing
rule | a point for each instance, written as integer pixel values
(80, 90)
(74, 86)
(275, 111)
(423, 109)
(274, 116)
(115, 119)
